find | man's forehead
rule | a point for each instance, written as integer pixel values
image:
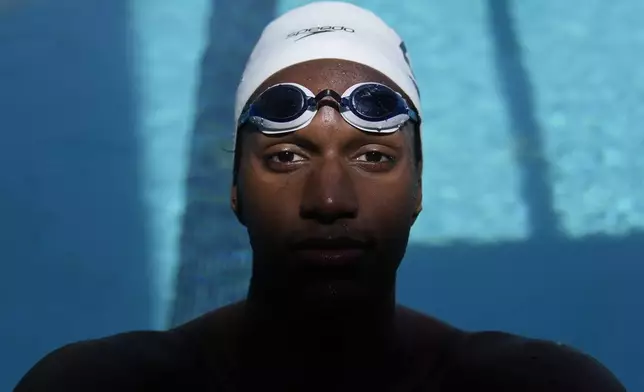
(322, 74)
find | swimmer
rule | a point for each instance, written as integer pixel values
(327, 182)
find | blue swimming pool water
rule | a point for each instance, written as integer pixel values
(113, 192)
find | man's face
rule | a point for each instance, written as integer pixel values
(328, 208)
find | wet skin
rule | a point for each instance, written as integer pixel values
(328, 210)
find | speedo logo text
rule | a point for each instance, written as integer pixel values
(303, 33)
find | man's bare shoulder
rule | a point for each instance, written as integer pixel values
(120, 362)
(498, 361)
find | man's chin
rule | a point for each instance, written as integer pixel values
(334, 294)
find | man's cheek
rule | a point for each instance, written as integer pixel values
(393, 207)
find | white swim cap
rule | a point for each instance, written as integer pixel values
(327, 30)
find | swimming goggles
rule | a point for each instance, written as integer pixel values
(288, 107)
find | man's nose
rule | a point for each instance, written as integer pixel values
(329, 194)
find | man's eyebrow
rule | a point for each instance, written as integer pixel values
(293, 138)
(301, 140)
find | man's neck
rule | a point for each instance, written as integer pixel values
(301, 328)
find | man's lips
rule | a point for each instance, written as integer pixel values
(331, 251)
(329, 257)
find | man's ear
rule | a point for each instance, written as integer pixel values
(418, 192)
(235, 204)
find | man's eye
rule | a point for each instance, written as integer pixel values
(375, 157)
(285, 157)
